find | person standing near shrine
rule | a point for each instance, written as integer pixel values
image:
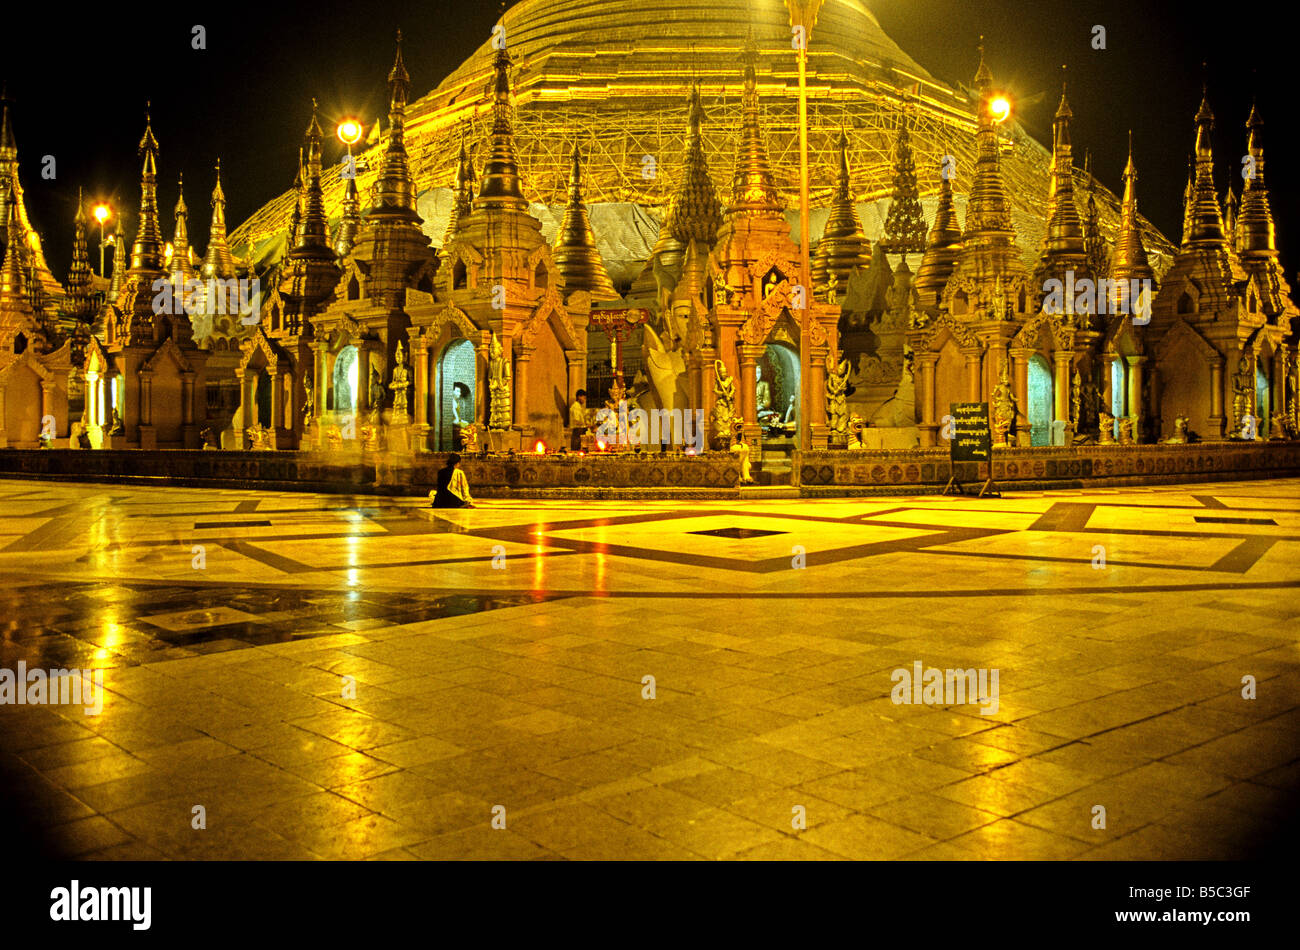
(578, 419)
(453, 486)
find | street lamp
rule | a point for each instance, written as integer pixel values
(803, 17)
(102, 213)
(349, 132)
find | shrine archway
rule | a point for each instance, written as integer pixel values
(779, 370)
(346, 369)
(1040, 401)
(456, 391)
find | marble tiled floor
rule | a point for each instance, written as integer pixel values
(499, 657)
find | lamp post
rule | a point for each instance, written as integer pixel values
(349, 132)
(102, 213)
(803, 17)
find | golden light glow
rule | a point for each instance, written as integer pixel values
(102, 213)
(1000, 108)
(170, 250)
(349, 131)
(540, 447)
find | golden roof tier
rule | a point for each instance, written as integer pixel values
(618, 74)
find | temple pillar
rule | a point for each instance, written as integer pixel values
(749, 357)
(1154, 417)
(1278, 389)
(277, 402)
(817, 385)
(928, 429)
(974, 385)
(1020, 380)
(92, 400)
(576, 364)
(146, 397)
(363, 380)
(420, 363)
(187, 398)
(47, 407)
(1061, 387)
(1135, 408)
(1216, 397)
(519, 399)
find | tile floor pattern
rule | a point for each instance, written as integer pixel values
(498, 657)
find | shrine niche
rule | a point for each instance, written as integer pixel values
(545, 348)
(34, 399)
(1191, 380)
(166, 413)
(271, 397)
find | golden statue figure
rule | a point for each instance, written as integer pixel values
(309, 399)
(469, 438)
(399, 385)
(499, 386)
(837, 412)
(1003, 409)
(857, 428)
(1076, 397)
(724, 405)
(741, 449)
(1106, 426)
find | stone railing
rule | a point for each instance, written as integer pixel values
(921, 470)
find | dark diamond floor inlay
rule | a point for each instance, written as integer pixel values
(738, 534)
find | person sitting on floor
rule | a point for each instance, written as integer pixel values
(453, 486)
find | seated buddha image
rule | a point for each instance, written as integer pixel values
(763, 399)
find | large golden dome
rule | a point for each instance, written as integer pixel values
(614, 76)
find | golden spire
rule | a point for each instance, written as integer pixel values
(1130, 261)
(1130, 253)
(500, 187)
(119, 262)
(351, 220)
(843, 247)
(182, 268)
(576, 256)
(990, 241)
(942, 248)
(905, 223)
(395, 189)
(1230, 216)
(464, 198)
(1206, 219)
(1063, 241)
(753, 191)
(295, 216)
(313, 235)
(1255, 229)
(695, 211)
(147, 252)
(218, 263)
(983, 75)
(1188, 192)
(79, 274)
(13, 291)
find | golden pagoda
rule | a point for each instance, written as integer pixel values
(843, 248)
(575, 251)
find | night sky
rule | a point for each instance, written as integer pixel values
(79, 94)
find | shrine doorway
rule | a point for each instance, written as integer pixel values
(456, 391)
(1040, 401)
(778, 381)
(346, 368)
(262, 398)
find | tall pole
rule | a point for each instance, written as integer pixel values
(803, 15)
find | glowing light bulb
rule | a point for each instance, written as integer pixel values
(102, 213)
(1000, 108)
(349, 131)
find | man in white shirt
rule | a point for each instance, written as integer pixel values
(578, 419)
